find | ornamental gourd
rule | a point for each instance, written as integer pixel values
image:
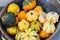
(14, 8)
(27, 35)
(29, 4)
(23, 25)
(52, 17)
(49, 27)
(35, 25)
(8, 19)
(21, 15)
(43, 34)
(32, 16)
(42, 17)
(38, 9)
(12, 30)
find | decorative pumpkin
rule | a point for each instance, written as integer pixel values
(27, 35)
(43, 34)
(49, 27)
(8, 19)
(22, 15)
(12, 30)
(13, 8)
(16, 21)
(23, 25)
(36, 25)
(29, 4)
(42, 17)
(52, 17)
(38, 9)
(32, 16)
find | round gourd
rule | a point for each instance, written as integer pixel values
(22, 15)
(29, 4)
(32, 16)
(36, 25)
(23, 25)
(12, 30)
(38, 9)
(8, 19)
(27, 35)
(49, 27)
(52, 17)
(13, 8)
(43, 34)
(42, 17)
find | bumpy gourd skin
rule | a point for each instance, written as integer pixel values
(23, 25)
(8, 19)
(29, 4)
(12, 30)
(35, 25)
(27, 35)
(32, 16)
(49, 27)
(13, 8)
(52, 17)
(38, 9)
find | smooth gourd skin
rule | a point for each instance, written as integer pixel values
(29, 4)
(8, 19)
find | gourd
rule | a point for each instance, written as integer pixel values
(8, 19)
(29, 4)
(52, 17)
(42, 17)
(32, 16)
(12, 30)
(43, 34)
(49, 27)
(27, 35)
(21, 15)
(38, 9)
(35, 25)
(23, 25)
(16, 23)
(14, 8)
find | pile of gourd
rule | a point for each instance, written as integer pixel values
(31, 23)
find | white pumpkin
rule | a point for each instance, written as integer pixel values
(49, 27)
(27, 35)
(52, 17)
(42, 17)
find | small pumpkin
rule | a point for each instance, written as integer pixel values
(23, 25)
(12, 30)
(29, 4)
(35, 25)
(42, 17)
(22, 15)
(38, 9)
(52, 17)
(27, 35)
(32, 16)
(49, 27)
(43, 34)
(13, 8)
(8, 19)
